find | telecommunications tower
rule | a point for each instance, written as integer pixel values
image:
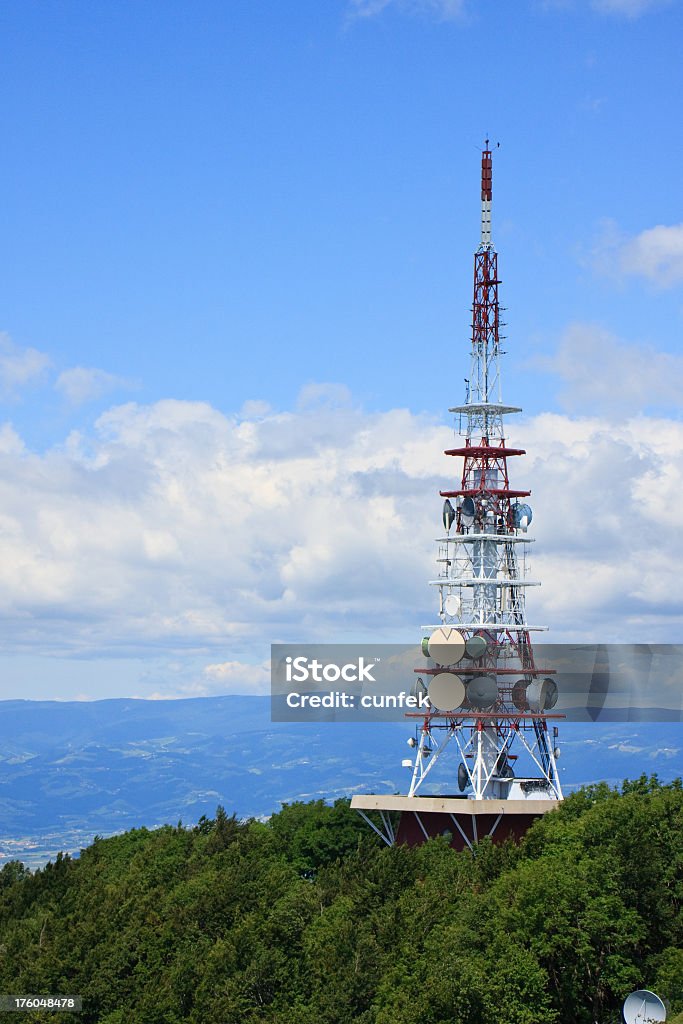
(487, 732)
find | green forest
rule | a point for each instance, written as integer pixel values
(308, 919)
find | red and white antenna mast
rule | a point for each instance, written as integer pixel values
(489, 701)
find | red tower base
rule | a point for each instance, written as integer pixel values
(466, 821)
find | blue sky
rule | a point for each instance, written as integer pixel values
(236, 242)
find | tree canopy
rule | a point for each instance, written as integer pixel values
(309, 919)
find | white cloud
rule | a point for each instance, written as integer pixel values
(177, 530)
(19, 366)
(82, 384)
(174, 525)
(606, 497)
(254, 408)
(618, 8)
(599, 371)
(236, 677)
(655, 254)
(313, 395)
(629, 8)
(444, 10)
(10, 442)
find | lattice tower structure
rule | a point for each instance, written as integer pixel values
(483, 577)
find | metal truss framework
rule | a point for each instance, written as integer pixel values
(483, 574)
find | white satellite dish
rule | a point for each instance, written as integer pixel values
(451, 605)
(467, 512)
(446, 646)
(446, 691)
(542, 694)
(551, 694)
(643, 1007)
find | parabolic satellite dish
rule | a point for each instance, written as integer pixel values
(482, 691)
(541, 694)
(476, 647)
(446, 646)
(521, 516)
(463, 777)
(446, 691)
(642, 1007)
(519, 695)
(467, 512)
(551, 694)
(448, 515)
(418, 688)
(451, 605)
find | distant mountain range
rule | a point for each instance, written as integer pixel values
(70, 771)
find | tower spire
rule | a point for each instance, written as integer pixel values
(485, 369)
(486, 194)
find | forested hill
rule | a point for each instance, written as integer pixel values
(309, 920)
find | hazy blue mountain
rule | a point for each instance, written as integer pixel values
(69, 771)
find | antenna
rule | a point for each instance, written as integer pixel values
(486, 194)
(643, 1007)
(486, 693)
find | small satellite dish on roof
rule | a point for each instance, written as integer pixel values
(446, 646)
(463, 777)
(448, 515)
(451, 604)
(446, 691)
(643, 1007)
(468, 511)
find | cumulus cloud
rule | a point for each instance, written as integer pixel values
(176, 526)
(174, 529)
(655, 254)
(606, 499)
(82, 384)
(19, 366)
(444, 10)
(599, 371)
